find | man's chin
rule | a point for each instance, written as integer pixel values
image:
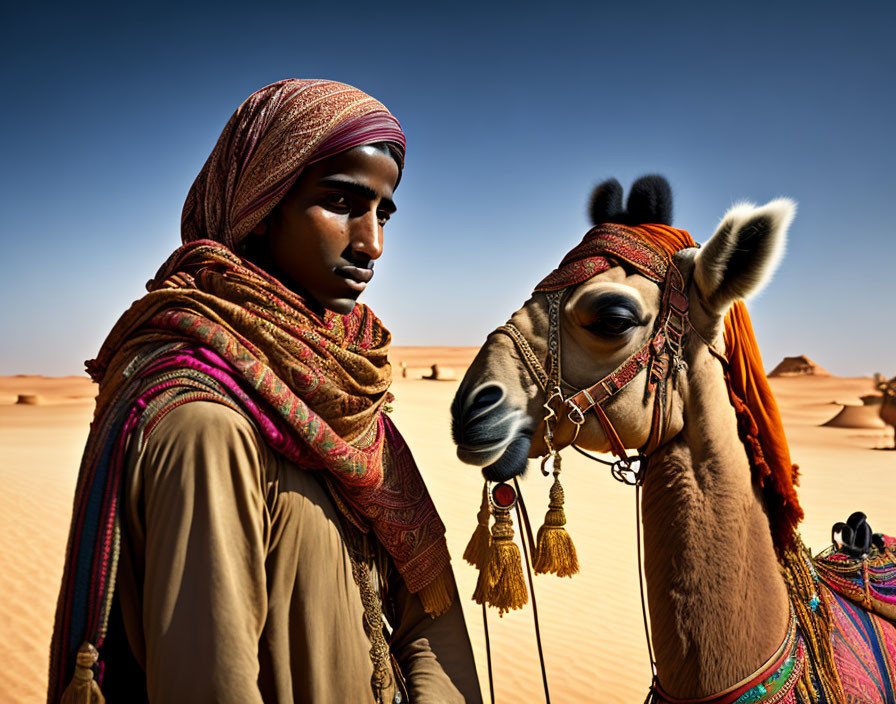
(341, 301)
(343, 306)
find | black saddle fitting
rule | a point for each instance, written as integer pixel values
(856, 537)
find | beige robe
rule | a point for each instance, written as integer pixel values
(235, 582)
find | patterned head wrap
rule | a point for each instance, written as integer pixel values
(270, 138)
(648, 249)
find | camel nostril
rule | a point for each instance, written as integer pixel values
(482, 400)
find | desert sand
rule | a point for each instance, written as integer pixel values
(591, 623)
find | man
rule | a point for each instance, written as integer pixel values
(242, 482)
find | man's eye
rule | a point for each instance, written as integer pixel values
(383, 217)
(336, 201)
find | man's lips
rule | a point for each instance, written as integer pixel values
(355, 276)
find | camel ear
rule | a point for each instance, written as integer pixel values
(606, 202)
(742, 255)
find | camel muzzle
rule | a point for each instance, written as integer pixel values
(489, 432)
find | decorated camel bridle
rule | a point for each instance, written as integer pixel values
(661, 357)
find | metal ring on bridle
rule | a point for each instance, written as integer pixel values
(623, 469)
(575, 414)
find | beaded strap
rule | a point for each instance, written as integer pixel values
(773, 683)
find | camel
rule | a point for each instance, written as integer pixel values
(888, 405)
(720, 604)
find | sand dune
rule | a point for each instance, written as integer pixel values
(851, 416)
(591, 623)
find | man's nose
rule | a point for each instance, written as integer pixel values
(367, 235)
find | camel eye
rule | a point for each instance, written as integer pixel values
(610, 315)
(613, 324)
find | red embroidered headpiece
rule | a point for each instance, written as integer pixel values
(648, 248)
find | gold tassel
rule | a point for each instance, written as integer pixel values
(505, 582)
(815, 622)
(480, 593)
(805, 689)
(555, 551)
(437, 596)
(83, 689)
(478, 548)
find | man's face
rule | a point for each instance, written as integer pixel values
(325, 234)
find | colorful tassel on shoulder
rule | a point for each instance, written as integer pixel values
(83, 689)
(555, 551)
(501, 582)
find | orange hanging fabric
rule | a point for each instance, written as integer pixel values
(760, 426)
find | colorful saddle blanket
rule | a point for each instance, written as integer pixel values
(841, 644)
(868, 581)
(860, 595)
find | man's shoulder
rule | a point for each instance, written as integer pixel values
(207, 413)
(204, 414)
(206, 423)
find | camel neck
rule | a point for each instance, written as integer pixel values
(718, 603)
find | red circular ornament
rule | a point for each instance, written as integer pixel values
(503, 496)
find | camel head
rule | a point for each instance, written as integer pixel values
(886, 386)
(602, 320)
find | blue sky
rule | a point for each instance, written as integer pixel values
(512, 114)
